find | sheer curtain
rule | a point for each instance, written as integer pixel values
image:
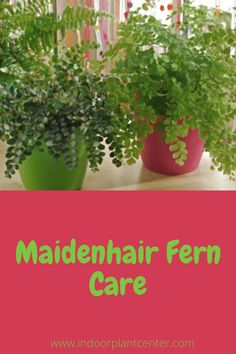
(105, 29)
(160, 10)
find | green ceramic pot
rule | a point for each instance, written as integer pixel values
(40, 172)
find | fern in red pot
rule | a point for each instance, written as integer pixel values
(188, 80)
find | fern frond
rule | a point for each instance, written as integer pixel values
(28, 29)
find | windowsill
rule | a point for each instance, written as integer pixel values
(138, 177)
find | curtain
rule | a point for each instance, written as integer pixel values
(105, 30)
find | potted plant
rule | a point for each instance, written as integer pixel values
(54, 112)
(180, 87)
(54, 124)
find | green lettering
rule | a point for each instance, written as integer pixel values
(68, 253)
(149, 253)
(46, 256)
(113, 251)
(130, 256)
(98, 254)
(139, 285)
(197, 252)
(171, 250)
(83, 254)
(185, 254)
(99, 277)
(213, 254)
(27, 253)
(111, 287)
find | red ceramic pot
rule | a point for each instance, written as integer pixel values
(158, 158)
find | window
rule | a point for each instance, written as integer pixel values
(160, 11)
(225, 5)
(161, 14)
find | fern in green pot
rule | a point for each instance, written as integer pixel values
(54, 113)
(55, 124)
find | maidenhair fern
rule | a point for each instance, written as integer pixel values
(188, 82)
(28, 30)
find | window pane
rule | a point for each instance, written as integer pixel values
(225, 5)
(160, 11)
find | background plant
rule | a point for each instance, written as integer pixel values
(187, 80)
(28, 31)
